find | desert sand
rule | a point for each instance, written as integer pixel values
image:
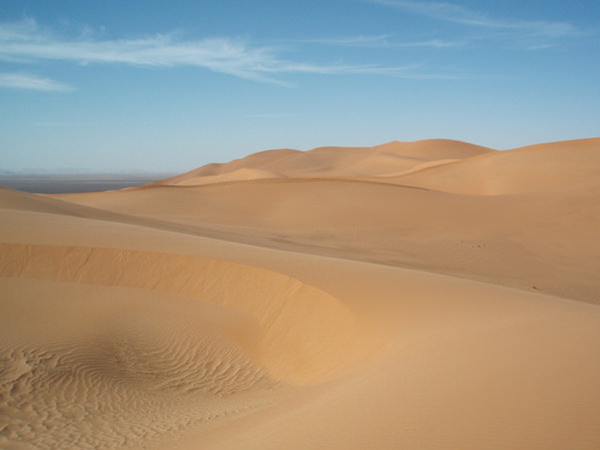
(417, 295)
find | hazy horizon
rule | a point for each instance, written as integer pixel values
(55, 183)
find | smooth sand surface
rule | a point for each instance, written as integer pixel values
(425, 295)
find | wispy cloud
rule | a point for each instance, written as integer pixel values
(25, 41)
(358, 41)
(534, 33)
(383, 41)
(17, 80)
(431, 43)
(341, 69)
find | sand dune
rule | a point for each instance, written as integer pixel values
(555, 168)
(383, 159)
(412, 295)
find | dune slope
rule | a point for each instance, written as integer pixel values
(523, 241)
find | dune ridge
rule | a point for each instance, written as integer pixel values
(328, 161)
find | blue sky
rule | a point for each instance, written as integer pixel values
(168, 86)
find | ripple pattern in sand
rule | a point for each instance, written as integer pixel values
(119, 391)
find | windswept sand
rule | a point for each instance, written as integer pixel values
(421, 295)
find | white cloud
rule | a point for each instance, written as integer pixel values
(533, 33)
(443, 11)
(18, 80)
(26, 41)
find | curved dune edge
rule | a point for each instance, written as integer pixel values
(306, 335)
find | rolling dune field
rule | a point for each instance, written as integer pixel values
(417, 295)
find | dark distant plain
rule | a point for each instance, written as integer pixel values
(63, 184)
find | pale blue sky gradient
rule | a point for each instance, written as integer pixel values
(151, 86)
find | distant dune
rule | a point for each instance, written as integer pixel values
(431, 294)
(329, 161)
(555, 167)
